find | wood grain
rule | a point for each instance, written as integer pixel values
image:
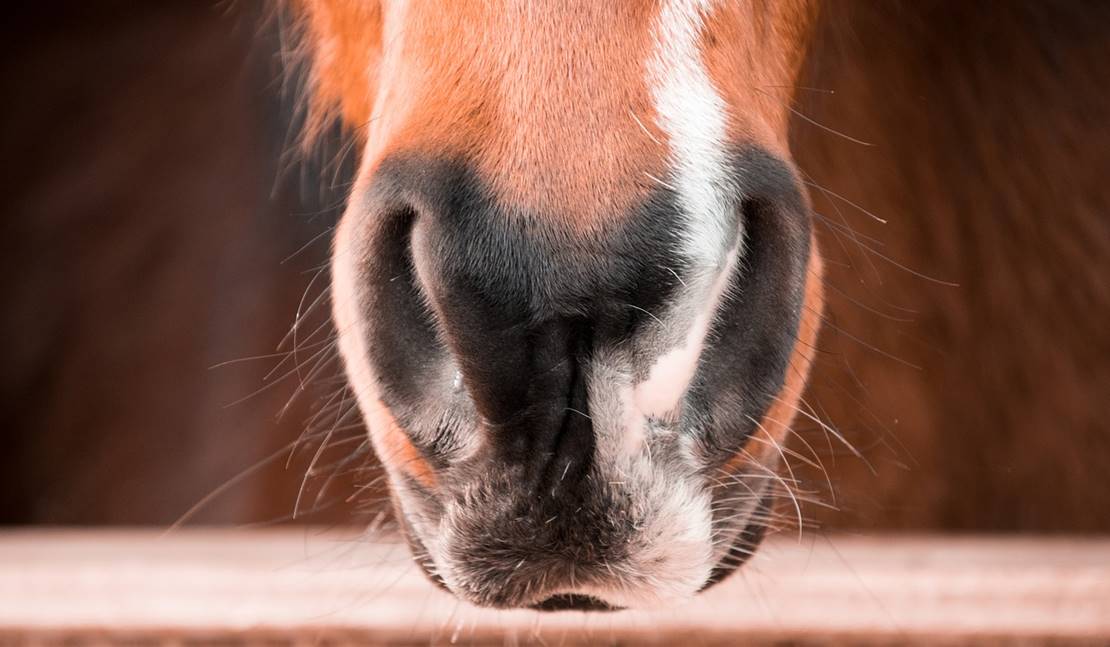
(310, 586)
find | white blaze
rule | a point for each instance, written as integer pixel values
(693, 116)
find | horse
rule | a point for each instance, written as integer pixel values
(589, 247)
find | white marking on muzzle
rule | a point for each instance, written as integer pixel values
(669, 378)
(693, 116)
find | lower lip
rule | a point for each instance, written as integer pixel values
(573, 602)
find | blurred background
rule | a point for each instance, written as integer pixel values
(161, 228)
(164, 235)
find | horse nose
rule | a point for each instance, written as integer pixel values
(515, 311)
(524, 307)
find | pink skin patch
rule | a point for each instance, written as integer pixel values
(661, 394)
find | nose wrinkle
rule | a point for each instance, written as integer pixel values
(551, 434)
(575, 444)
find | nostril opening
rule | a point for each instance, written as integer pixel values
(398, 325)
(573, 602)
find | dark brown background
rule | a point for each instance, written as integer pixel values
(151, 210)
(158, 221)
(990, 160)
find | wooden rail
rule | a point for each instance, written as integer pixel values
(308, 587)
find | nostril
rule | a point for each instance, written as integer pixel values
(400, 331)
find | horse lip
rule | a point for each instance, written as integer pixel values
(573, 602)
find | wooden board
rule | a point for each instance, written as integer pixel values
(307, 586)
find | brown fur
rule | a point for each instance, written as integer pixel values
(451, 85)
(588, 149)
